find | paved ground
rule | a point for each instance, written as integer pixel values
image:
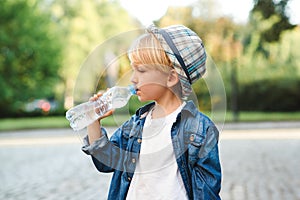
(260, 163)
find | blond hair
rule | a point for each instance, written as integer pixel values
(147, 51)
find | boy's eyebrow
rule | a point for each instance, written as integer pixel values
(135, 64)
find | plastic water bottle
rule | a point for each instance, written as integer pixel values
(86, 113)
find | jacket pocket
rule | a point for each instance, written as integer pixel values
(194, 146)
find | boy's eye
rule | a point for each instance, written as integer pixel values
(140, 69)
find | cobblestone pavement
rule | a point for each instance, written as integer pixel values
(48, 164)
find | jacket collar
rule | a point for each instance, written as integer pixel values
(190, 108)
(143, 111)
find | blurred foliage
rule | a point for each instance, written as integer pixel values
(270, 95)
(44, 43)
(84, 25)
(275, 11)
(283, 59)
(30, 55)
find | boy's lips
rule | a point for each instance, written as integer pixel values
(137, 91)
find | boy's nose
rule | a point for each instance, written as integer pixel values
(133, 78)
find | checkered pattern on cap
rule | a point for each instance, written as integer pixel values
(190, 48)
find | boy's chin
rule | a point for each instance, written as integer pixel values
(143, 100)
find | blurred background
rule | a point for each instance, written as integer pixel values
(54, 54)
(43, 43)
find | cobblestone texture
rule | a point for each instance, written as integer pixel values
(48, 164)
(260, 169)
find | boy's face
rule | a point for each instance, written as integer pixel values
(151, 84)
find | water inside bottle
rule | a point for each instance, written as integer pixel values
(81, 120)
(119, 102)
(80, 116)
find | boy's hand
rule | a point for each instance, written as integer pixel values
(94, 98)
(94, 129)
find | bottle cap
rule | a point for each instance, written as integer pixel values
(132, 89)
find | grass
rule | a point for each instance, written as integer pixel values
(116, 120)
(257, 116)
(32, 123)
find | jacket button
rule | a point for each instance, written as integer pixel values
(133, 160)
(129, 179)
(192, 137)
(139, 140)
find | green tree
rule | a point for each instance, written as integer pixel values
(29, 54)
(267, 39)
(268, 20)
(275, 10)
(85, 25)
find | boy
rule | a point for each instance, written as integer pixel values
(168, 149)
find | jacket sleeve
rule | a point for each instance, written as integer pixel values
(206, 170)
(107, 155)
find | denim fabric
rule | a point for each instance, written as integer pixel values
(195, 143)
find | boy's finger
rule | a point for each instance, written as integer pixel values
(107, 114)
(94, 97)
(99, 94)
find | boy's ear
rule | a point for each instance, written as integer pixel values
(172, 78)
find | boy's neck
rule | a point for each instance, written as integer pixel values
(165, 107)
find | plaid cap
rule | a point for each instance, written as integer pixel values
(185, 50)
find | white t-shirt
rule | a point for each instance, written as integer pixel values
(157, 175)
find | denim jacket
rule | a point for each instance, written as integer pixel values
(195, 143)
